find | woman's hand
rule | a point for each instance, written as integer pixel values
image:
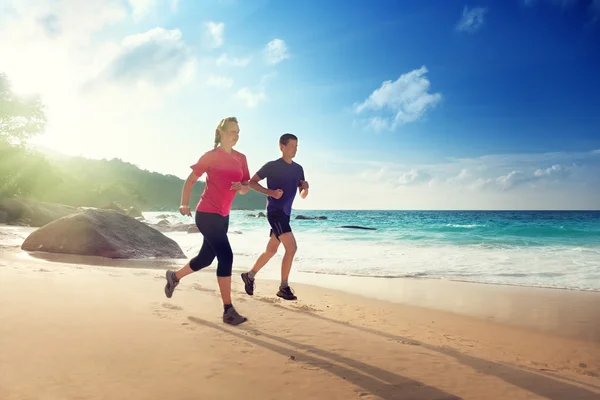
(240, 187)
(185, 210)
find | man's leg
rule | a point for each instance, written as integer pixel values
(269, 252)
(289, 242)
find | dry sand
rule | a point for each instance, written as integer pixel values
(75, 331)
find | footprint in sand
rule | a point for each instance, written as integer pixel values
(202, 289)
(268, 299)
(172, 307)
(304, 307)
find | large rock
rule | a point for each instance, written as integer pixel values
(358, 227)
(3, 217)
(35, 213)
(310, 218)
(104, 233)
(115, 207)
(134, 213)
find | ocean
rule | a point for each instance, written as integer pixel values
(555, 249)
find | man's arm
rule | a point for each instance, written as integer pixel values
(303, 185)
(303, 189)
(255, 185)
(261, 174)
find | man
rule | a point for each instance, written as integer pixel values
(284, 177)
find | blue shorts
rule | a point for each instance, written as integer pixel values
(280, 223)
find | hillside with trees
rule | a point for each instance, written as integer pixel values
(78, 181)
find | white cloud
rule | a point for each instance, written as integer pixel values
(472, 19)
(67, 22)
(555, 171)
(214, 32)
(514, 178)
(414, 177)
(158, 57)
(141, 8)
(379, 124)
(219, 81)
(251, 98)
(51, 24)
(407, 98)
(225, 61)
(505, 181)
(276, 51)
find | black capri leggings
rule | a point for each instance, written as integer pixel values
(216, 243)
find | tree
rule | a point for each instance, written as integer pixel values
(20, 117)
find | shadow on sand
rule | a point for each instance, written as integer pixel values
(377, 381)
(534, 382)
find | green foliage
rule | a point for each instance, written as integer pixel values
(96, 183)
(20, 117)
(24, 172)
(78, 181)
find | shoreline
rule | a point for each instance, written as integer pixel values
(454, 280)
(162, 263)
(568, 313)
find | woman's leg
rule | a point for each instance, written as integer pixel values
(205, 256)
(219, 242)
(222, 248)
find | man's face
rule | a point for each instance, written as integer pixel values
(289, 150)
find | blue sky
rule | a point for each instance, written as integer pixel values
(398, 104)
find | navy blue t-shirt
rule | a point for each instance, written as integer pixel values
(284, 176)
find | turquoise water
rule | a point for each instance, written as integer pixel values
(558, 249)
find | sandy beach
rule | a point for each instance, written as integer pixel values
(71, 330)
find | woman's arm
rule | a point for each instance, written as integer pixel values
(184, 207)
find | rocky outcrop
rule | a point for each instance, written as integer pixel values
(3, 217)
(104, 233)
(135, 213)
(20, 211)
(310, 218)
(115, 207)
(259, 215)
(358, 227)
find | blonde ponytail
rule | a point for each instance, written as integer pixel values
(221, 127)
(217, 137)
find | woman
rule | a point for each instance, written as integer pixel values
(226, 174)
